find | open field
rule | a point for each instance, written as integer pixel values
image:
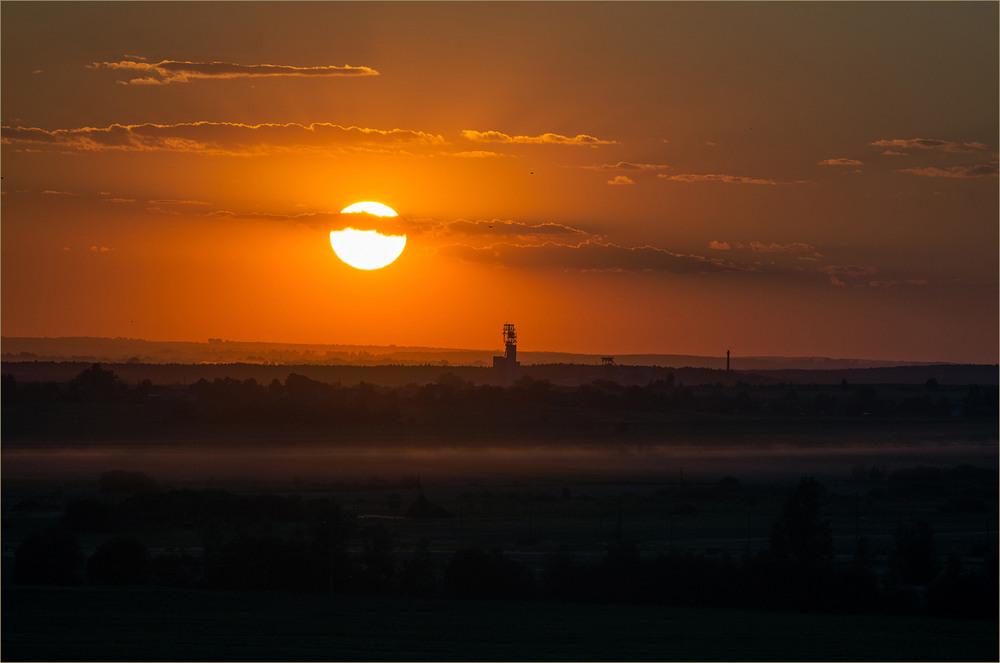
(118, 625)
(531, 500)
(538, 481)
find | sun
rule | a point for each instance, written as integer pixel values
(378, 209)
(367, 249)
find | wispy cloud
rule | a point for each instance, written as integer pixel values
(174, 71)
(621, 179)
(761, 247)
(841, 275)
(214, 137)
(931, 144)
(544, 139)
(627, 165)
(509, 229)
(840, 162)
(589, 255)
(956, 172)
(724, 179)
(477, 154)
(177, 201)
(774, 247)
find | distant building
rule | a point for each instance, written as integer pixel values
(506, 369)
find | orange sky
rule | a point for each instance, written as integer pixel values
(770, 178)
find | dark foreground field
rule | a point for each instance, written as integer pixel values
(306, 521)
(147, 624)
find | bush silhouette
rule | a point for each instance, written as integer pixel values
(263, 563)
(118, 561)
(912, 560)
(799, 533)
(474, 574)
(52, 557)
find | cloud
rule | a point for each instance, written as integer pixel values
(477, 154)
(508, 229)
(841, 162)
(263, 216)
(760, 247)
(174, 71)
(626, 165)
(931, 144)
(175, 201)
(725, 179)
(101, 249)
(598, 255)
(621, 179)
(956, 172)
(840, 275)
(330, 220)
(773, 247)
(544, 139)
(230, 138)
(589, 255)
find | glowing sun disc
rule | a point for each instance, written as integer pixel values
(366, 249)
(377, 209)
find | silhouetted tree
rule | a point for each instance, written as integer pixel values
(913, 560)
(97, 385)
(122, 481)
(118, 561)
(378, 558)
(261, 563)
(85, 515)
(800, 533)
(563, 579)
(52, 557)
(473, 574)
(960, 592)
(418, 574)
(8, 387)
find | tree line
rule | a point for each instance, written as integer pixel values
(287, 543)
(97, 401)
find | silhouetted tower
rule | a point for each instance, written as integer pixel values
(506, 370)
(510, 342)
(727, 361)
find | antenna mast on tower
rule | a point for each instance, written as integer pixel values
(510, 341)
(506, 370)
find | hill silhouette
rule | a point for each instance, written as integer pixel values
(138, 351)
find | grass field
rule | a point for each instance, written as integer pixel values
(143, 624)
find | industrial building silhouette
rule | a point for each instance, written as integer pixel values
(506, 369)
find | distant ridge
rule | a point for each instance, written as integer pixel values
(128, 350)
